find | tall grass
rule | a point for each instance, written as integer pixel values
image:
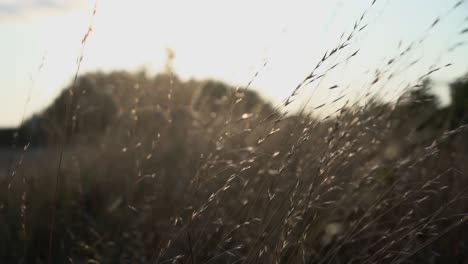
(213, 174)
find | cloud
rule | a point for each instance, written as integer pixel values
(23, 8)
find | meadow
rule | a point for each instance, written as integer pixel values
(217, 175)
(133, 167)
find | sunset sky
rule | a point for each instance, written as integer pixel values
(40, 43)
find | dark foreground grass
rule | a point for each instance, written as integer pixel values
(203, 180)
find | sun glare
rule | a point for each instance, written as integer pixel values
(272, 45)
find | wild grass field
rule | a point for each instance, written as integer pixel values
(130, 167)
(199, 179)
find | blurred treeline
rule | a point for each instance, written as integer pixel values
(99, 102)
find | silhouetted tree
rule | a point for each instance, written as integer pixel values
(459, 105)
(83, 110)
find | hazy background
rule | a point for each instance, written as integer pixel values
(226, 40)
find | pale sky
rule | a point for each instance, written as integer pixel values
(40, 43)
